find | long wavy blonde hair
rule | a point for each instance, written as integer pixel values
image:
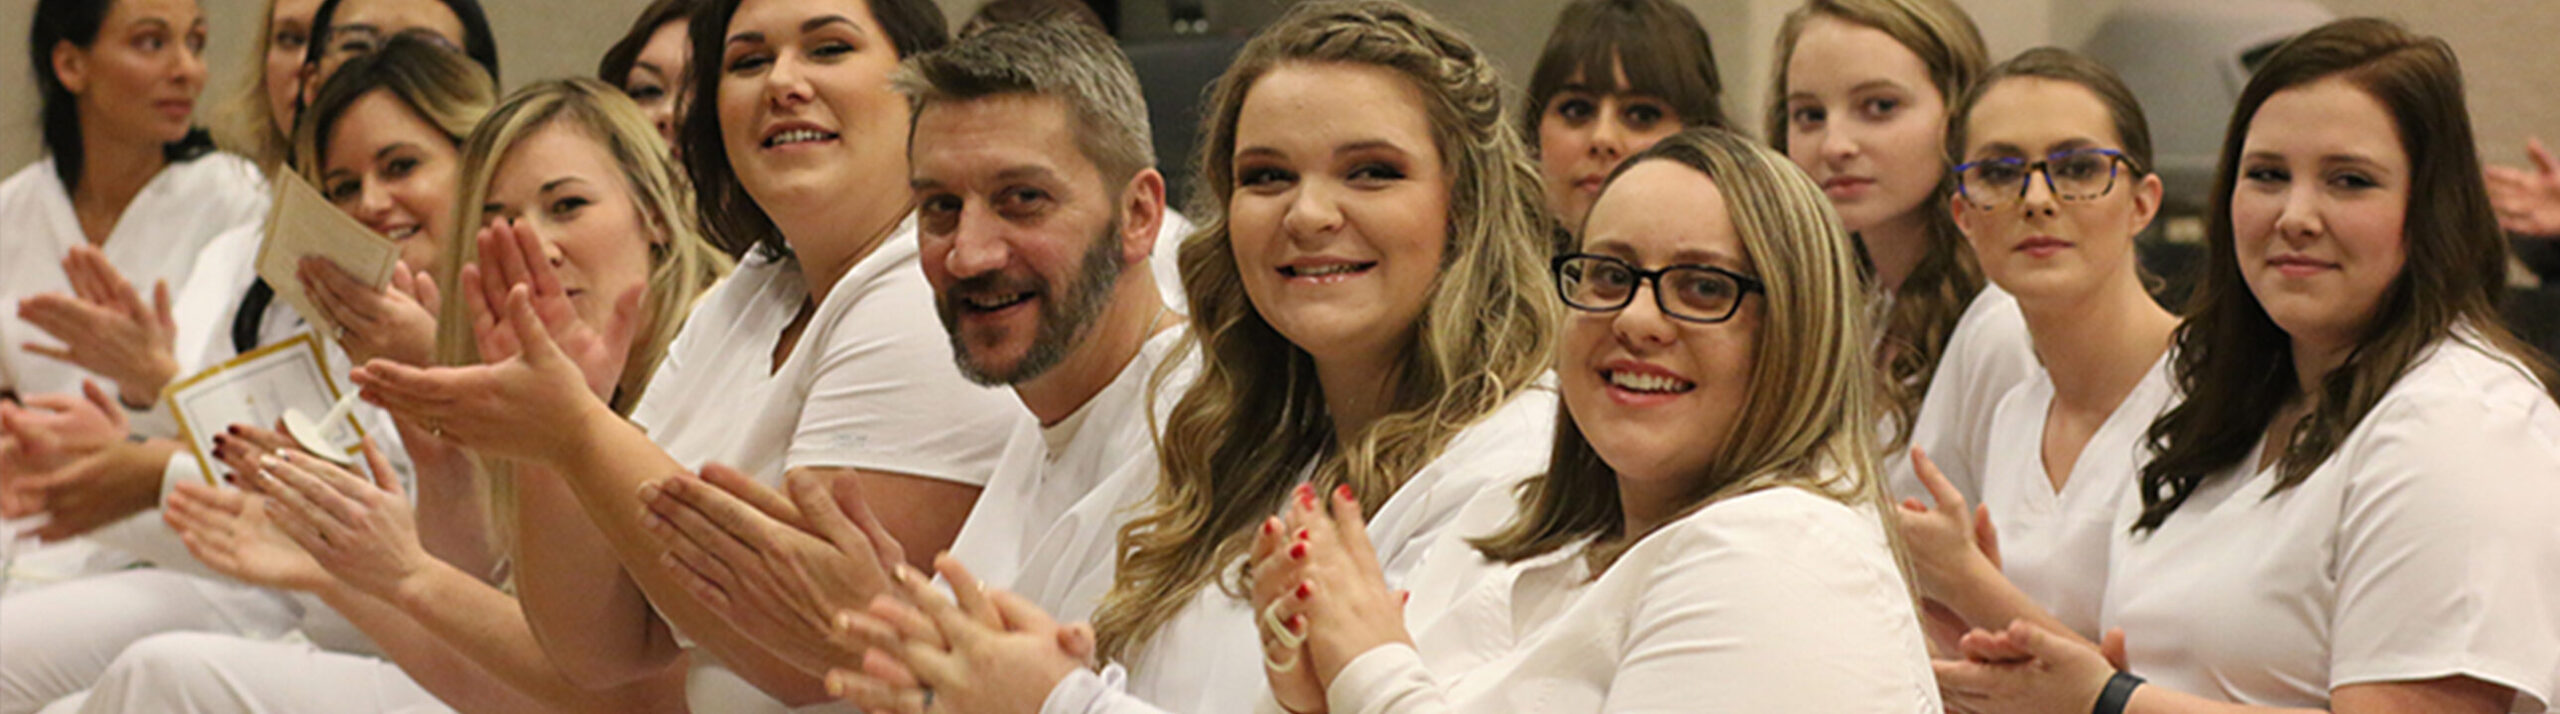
(1926, 307)
(1808, 418)
(1255, 419)
(682, 264)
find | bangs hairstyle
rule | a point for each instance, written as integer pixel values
(1254, 420)
(1058, 57)
(2234, 365)
(443, 88)
(2060, 65)
(1665, 52)
(730, 218)
(1925, 308)
(246, 124)
(1807, 419)
(78, 22)
(681, 265)
(619, 60)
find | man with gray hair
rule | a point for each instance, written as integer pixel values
(1039, 210)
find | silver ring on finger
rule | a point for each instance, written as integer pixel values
(928, 699)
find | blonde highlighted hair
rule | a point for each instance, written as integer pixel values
(246, 124)
(1255, 419)
(1925, 307)
(1808, 416)
(682, 265)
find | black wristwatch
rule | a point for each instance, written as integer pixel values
(2119, 691)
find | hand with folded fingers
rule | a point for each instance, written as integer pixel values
(978, 651)
(233, 532)
(395, 322)
(1953, 548)
(360, 528)
(2024, 668)
(1278, 557)
(2527, 201)
(778, 568)
(1341, 592)
(90, 491)
(49, 430)
(524, 407)
(106, 328)
(594, 331)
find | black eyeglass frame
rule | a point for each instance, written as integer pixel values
(2044, 168)
(1744, 286)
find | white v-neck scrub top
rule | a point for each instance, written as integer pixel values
(2053, 544)
(180, 210)
(1988, 354)
(2424, 547)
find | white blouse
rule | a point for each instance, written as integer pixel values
(180, 210)
(2053, 544)
(2424, 547)
(1208, 659)
(1780, 600)
(1988, 354)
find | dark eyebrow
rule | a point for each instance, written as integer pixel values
(555, 184)
(1369, 145)
(378, 155)
(822, 21)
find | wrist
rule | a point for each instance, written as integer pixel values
(2116, 693)
(143, 391)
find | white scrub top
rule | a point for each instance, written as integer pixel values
(1048, 522)
(2053, 544)
(1777, 600)
(1208, 660)
(157, 238)
(2423, 547)
(871, 385)
(1988, 354)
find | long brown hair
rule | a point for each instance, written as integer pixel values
(1930, 300)
(2234, 365)
(1809, 415)
(1255, 418)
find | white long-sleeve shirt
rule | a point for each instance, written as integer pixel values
(1781, 600)
(1208, 660)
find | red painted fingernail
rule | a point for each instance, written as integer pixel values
(1298, 552)
(1270, 527)
(1304, 590)
(1302, 534)
(1343, 492)
(233, 430)
(1297, 624)
(1404, 596)
(1306, 496)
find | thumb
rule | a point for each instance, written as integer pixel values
(626, 317)
(160, 305)
(848, 493)
(383, 477)
(2541, 157)
(1985, 535)
(428, 295)
(2111, 646)
(1078, 641)
(824, 514)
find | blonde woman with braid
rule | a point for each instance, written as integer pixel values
(1860, 101)
(1371, 316)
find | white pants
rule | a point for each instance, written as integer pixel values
(56, 640)
(203, 673)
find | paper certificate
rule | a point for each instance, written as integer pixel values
(256, 388)
(302, 224)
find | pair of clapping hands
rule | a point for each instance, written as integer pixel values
(810, 574)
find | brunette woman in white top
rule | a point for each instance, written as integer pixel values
(1860, 102)
(2349, 511)
(818, 359)
(2053, 189)
(1369, 313)
(1709, 531)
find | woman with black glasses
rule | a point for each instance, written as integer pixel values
(2051, 193)
(1708, 532)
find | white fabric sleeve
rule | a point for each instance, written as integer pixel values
(1084, 692)
(2448, 562)
(885, 396)
(1988, 354)
(1387, 678)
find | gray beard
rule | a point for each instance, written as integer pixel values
(1066, 316)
